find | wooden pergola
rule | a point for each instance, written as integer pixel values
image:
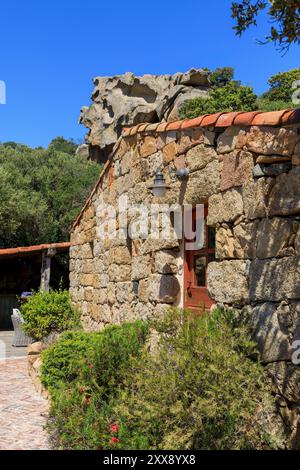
(47, 251)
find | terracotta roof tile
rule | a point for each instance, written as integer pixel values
(268, 119)
(190, 123)
(174, 126)
(102, 173)
(285, 117)
(142, 127)
(226, 119)
(210, 119)
(162, 127)
(245, 119)
(152, 127)
(125, 131)
(236, 118)
(134, 130)
(291, 117)
(23, 250)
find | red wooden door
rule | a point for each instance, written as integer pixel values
(196, 295)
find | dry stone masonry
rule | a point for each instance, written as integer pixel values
(246, 167)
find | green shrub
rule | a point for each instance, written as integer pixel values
(231, 97)
(228, 95)
(101, 355)
(84, 373)
(266, 105)
(63, 362)
(201, 391)
(203, 388)
(47, 312)
(281, 86)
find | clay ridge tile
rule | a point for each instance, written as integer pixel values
(268, 119)
(162, 127)
(190, 123)
(286, 117)
(104, 169)
(245, 118)
(235, 118)
(174, 126)
(210, 119)
(226, 119)
(291, 117)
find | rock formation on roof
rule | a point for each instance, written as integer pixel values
(127, 100)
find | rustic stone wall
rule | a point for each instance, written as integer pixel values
(122, 279)
(34, 360)
(250, 178)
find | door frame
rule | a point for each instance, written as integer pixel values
(206, 302)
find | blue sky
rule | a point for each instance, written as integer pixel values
(50, 50)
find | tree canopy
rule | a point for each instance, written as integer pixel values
(284, 19)
(63, 145)
(281, 88)
(41, 193)
(227, 95)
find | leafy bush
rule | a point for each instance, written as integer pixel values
(228, 95)
(84, 373)
(63, 362)
(201, 391)
(266, 105)
(221, 76)
(47, 312)
(60, 144)
(279, 96)
(231, 97)
(202, 388)
(281, 86)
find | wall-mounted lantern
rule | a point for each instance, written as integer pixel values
(159, 186)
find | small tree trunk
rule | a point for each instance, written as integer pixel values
(46, 269)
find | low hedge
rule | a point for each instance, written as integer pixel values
(100, 356)
(48, 312)
(202, 387)
(84, 373)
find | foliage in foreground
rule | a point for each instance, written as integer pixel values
(198, 389)
(284, 18)
(49, 312)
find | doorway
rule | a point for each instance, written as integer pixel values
(196, 296)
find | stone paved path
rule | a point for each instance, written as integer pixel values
(6, 347)
(22, 410)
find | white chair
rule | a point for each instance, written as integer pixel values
(20, 338)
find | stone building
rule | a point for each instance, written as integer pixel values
(245, 169)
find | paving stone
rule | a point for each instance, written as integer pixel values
(22, 410)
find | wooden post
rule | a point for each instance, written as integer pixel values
(46, 269)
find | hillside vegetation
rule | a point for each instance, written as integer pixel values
(41, 191)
